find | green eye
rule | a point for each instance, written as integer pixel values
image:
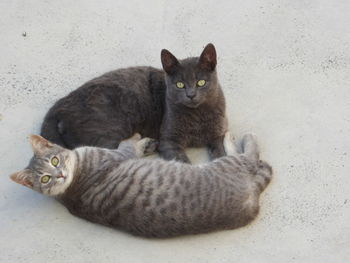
(201, 83)
(45, 179)
(55, 161)
(180, 85)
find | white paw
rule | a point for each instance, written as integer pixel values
(146, 146)
(136, 137)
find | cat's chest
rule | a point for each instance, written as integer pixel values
(197, 128)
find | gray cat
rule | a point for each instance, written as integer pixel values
(152, 198)
(182, 106)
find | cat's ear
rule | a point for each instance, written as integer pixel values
(39, 144)
(24, 177)
(207, 60)
(169, 61)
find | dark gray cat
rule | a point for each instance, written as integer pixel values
(153, 198)
(181, 106)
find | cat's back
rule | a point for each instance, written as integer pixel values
(134, 80)
(107, 109)
(160, 198)
(132, 77)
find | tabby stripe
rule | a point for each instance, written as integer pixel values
(199, 189)
(117, 198)
(114, 181)
(213, 202)
(208, 178)
(144, 177)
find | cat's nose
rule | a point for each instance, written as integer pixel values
(191, 93)
(191, 96)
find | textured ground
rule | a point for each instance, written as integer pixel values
(285, 70)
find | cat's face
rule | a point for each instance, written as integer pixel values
(191, 81)
(50, 171)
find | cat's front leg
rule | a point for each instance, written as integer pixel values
(170, 150)
(137, 147)
(146, 146)
(216, 148)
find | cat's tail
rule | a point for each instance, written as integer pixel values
(264, 172)
(50, 130)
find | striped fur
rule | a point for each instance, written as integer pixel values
(158, 198)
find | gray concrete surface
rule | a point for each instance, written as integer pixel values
(285, 69)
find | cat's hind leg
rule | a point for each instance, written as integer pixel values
(263, 175)
(264, 172)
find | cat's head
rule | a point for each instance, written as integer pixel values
(50, 171)
(191, 81)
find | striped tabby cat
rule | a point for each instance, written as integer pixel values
(153, 198)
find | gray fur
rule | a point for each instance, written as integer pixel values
(154, 198)
(193, 116)
(114, 106)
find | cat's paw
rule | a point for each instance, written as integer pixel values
(135, 137)
(146, 146)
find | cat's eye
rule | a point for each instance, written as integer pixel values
(55, 161)
(45, 179)
(180, 85)
(201, 83)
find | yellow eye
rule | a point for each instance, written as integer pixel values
(55, 161)
(180, 85)
(45, 179)
(201, 83)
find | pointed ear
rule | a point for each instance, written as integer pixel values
(39, 144)
(207, 60)
(23, 177)
(169, 61)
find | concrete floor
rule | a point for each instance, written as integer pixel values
(285, 70)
